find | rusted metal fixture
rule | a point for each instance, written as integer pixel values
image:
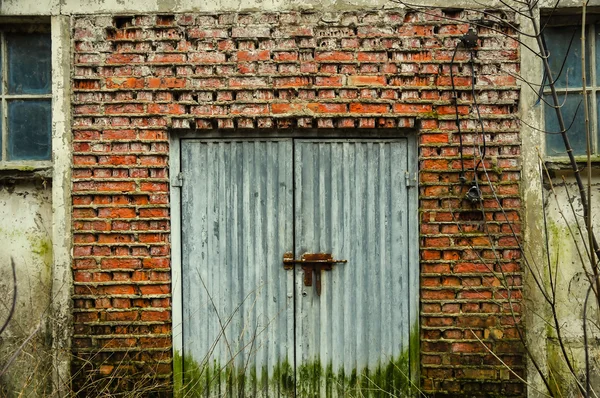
(311, 262)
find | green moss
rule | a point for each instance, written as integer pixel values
(23, 168)
(393, 378)
(42, 247)
(387, 379)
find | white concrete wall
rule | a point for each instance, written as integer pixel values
(55, 7)
(567, 246)
(25, 236)
(35, 230)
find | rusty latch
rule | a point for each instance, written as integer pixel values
(317, 262)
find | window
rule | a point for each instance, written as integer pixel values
(26, 98)
(569, 87)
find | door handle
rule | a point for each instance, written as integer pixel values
(311, 262)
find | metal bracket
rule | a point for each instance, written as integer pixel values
(311, 262)
(177, 181)
(411, 179)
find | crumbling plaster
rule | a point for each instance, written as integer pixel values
(54, 7)
(35, 231)
(26, 237)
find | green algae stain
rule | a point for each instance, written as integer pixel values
(193, 379)
(397, 377)
(42, 247)
(387, 379)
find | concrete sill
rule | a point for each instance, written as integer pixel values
(564, 164)
(33, 173)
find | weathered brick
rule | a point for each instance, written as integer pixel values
(376, 70)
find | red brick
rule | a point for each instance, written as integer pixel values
(284, 56)
(86, 84)
(372, 57)
(116, 212)
(451, 109)
(123, 186)
(291, 81)
(412, 108)
(334, 56)
(155, 316)
(120, 263)
(120, 58)
(366, 80)
(357, 107)
(253, 56)
(154, 213)
(124, 83)
(167, 58)
(327, 108)
(249, 109)
(286, 108)
(118, 160)
(201, 33)
(166, 82)
(328, 81)
(156, 263)
(171, 109)
(207, 57)
(119, 289)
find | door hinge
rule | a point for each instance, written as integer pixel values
(411, 179)
(177, 180)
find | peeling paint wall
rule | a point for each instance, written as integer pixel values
(565, 220)
(25, 235)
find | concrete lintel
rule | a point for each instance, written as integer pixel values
(30, 7)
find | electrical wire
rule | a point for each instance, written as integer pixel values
(479, 119)
(462, 176)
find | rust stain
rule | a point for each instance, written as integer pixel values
(312, 262)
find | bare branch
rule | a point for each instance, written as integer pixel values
(14, 297)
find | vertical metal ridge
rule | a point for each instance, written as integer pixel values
(357, 205)
(349, 199)
(233, 241)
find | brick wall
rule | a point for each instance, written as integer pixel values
(137, 77)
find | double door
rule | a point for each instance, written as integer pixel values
(267, 308)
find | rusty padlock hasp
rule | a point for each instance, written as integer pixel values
(311, 262)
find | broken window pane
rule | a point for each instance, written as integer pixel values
(574, 117)
(564, 57)
(29, 63)
(29, 129)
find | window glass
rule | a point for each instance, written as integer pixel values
(29, 63)
(574, 117)
(557, 40)
(29, 129)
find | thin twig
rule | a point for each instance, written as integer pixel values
(508, 367)
(14, 297)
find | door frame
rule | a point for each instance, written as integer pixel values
(412, 183)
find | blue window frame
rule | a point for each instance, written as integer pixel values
(26, 97)
(564, 44)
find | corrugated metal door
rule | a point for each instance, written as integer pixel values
(252, 328)
(351, 201)
(237, 300)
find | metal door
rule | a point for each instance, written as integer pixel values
(351, 201)
(252, 328)
(237, 301)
